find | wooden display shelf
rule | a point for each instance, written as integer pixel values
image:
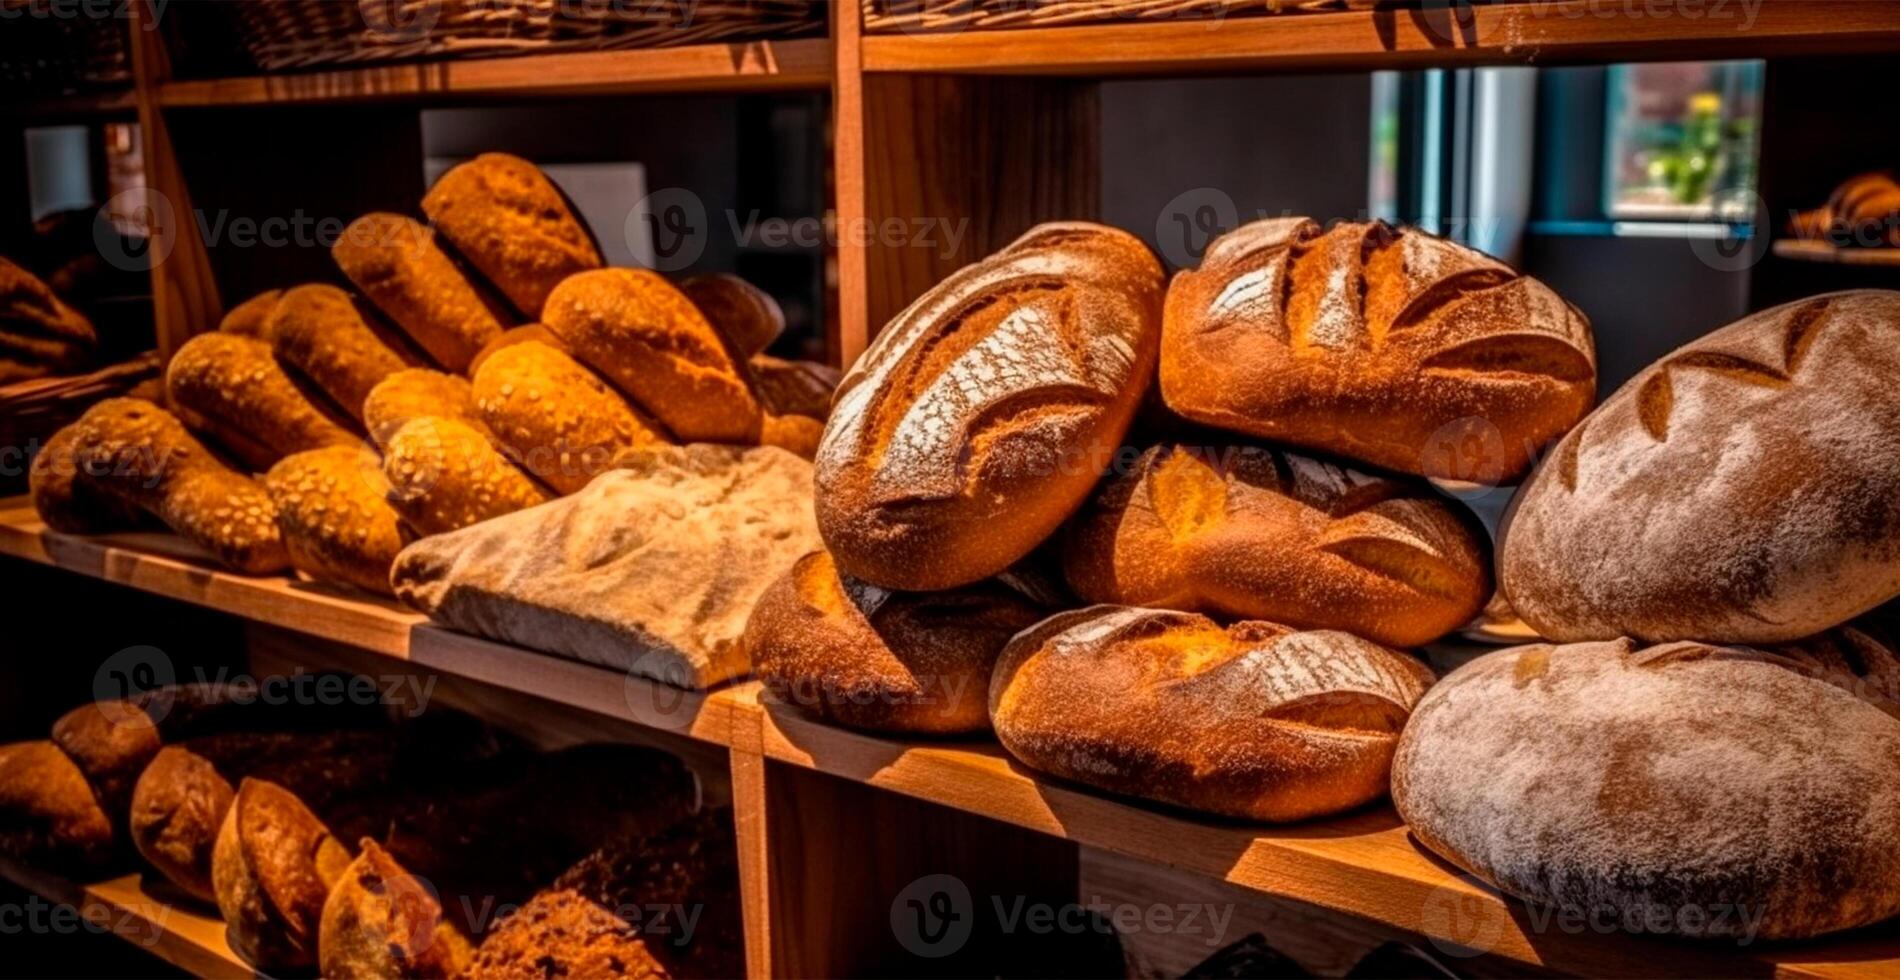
(1545, 32)
(71, 108)
(186, 937)
(750, 66)
(1822, 252)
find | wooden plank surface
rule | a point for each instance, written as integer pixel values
(186, 936)
(1547, 31)
(1822, 252)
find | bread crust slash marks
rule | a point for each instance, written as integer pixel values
(1656, 400)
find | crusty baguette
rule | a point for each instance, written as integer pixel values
(251, 318)
(232, 389)
(318, 330)
(414, 393)
(748, 316)
(444, 474)
(334, 513)
(510, 222)
(396, 262)
(516, 335)
(556, 418)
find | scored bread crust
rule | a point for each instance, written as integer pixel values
(983, 414)
(1256, 720)
(444, 474)
(414, 393)
(232, 388)
(1387, 345)
(318, 330)
(334, 513)
(273, 865)
(887, 661)
(1744, 489)
(1257, 533)
(510, 222)
(1680, 788)
(556, 418)
(396, 262)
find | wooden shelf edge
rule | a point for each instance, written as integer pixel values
(739, 66)
(187, 938)
(1822, 252)
(72, 108)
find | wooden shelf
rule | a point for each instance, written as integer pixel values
(1822, 252)
(185, 936)
(752, 66)
(71, 108)
(1545, 32)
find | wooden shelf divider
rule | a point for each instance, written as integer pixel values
(187, 937)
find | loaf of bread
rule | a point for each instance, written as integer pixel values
(1258, 533)
(508, 220)
(982, 416)
(795, 387)
(396, 262)
(444, 475)
(382, 921)
(887, 661)
(1745, 489)
(415, 393)
(556, 419)
(647, 339)
(37, 329)
(1256, 720)
(251, 318)
(49, 815)
(275, 865)
(1387, 345)
(799, 435)
(139, 453)
(69, 500)
(334, 513)
(111, 742)
(319, 331)
(1864, 212)
(1679, 788)
(231, 389)
(178, 805)
(748, 316)
(516, 335)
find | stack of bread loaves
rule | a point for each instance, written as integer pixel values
(1240, 659)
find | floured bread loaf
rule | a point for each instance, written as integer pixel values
(333, 510)
(1257, 533)
(509, 220)
(396, 262)
(1680, 788)
(318, 330)
(557, 420)
(652, 569)
(890, 661)
(982, 415)
(748, 316)
(1386, 345)
(415, 393)
(231, 388)
(1256, 720)
(1744, 489)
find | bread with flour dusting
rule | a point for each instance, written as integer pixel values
(1384, 344)
(983, 414)
(1256, 720)
(1745, 489)
(1680, 788)
(1257, 533)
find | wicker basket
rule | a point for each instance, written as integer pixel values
(887, 16)
(54, 50)
(283, 34)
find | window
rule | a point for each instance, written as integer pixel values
(1681, 141)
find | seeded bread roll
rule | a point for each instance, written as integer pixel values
(318, 330)
(887, 661)
(444, 475)
(333, 511)
(516, 335)
(69, 500)
(556, 418)
(232, 389)
(139, 453)
(1256, 533)
(275, 864)
(396, 262)
(795, 387)
(1387, 345)
(1745, 489)
(251, 318)
(414, 393)
(748, 316)
(1681, 788)
(510, 222)
(49, 815)
(382, 921)
(982, 416)
(649, 341)
(1257, 720)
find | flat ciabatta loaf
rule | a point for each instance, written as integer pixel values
(1745, 489)
(1383, 344)
(1257, 720)
(1680, 788)
(1257, 533)
(983, 414)
(652, 569)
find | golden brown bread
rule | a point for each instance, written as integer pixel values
(888, 661)
(1387, 345)
(797, 434)
(982, 416)
(72, 501)
(396, 262)
(1864, 212)
(49, 815)
(649, 341)
(334, 513)
(555, 418)
(177, 807)
(232, 389)
(1256, 720)
(251, 318)
(275, 864)
(141, 454)
(414, 393)
(1257, 533)
(319, 331)
(795, 387)
(380, 921)
(748, 316)
(111, 742)
(444, 474)
(509, 221)
(516, 335)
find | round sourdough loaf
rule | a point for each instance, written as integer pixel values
(1681, 788)
(1256, 720)
(1384, 344)
(983, 414)
(872, 658)
(1745, 489)
(1257, 533)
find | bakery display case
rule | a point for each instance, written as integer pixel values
(791, 507)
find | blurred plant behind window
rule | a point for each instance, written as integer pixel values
(1682, 141)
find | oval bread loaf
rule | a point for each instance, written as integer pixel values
(396, 262)
(509, 221)
(380, 920)
(1387, 345)
(1745, 489)
(1681, 788)
(982, 416)
(49, 815)
(231, 388)
(557, 420)
(319, 331)
(414, 393)
(333, 510)
(444, 474)
(748, 316)
(516, 335)
(273, 866)
(251, 318)
(1256, 720)
(69, 500)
